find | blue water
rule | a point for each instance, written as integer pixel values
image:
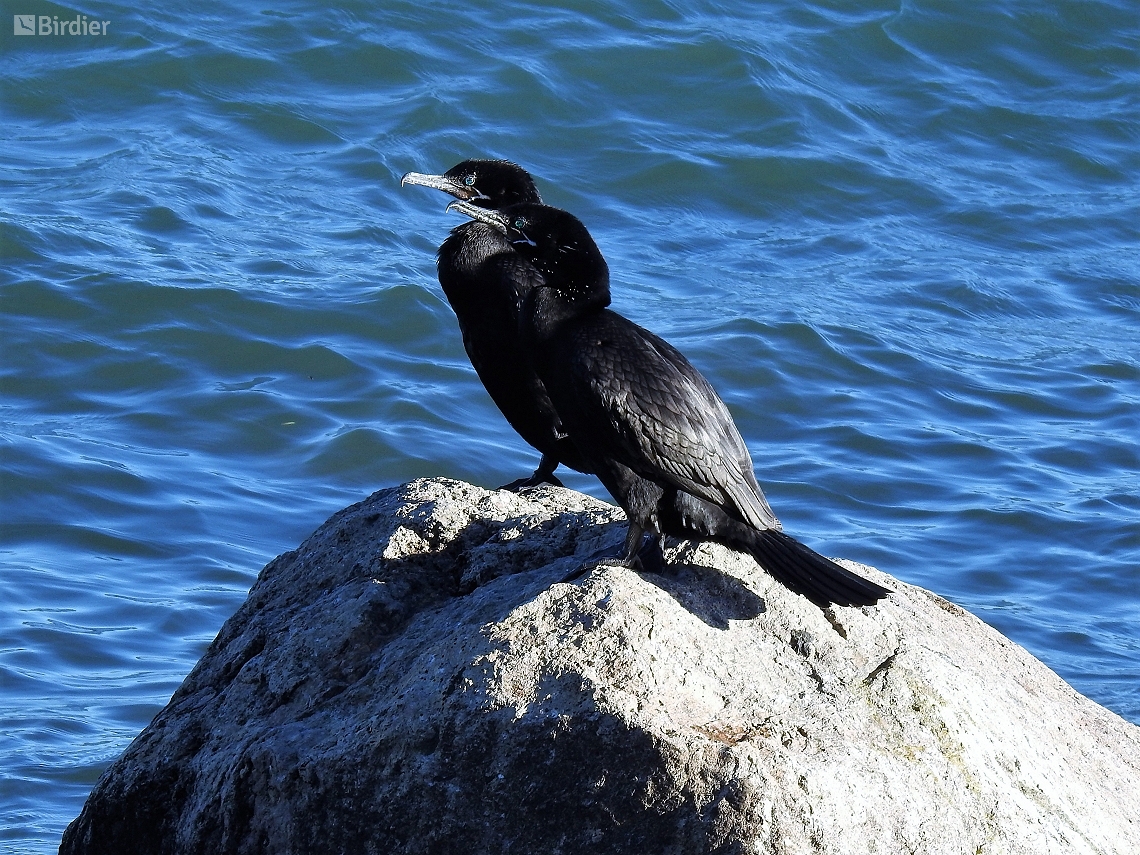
(901, 241)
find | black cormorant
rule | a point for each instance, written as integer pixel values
(480, 275)
(645, 420)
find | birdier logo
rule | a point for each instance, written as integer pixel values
(51, 25)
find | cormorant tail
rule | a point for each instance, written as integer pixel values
(806, 572)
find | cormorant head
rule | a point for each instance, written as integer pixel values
(554, 241)
(486, 183)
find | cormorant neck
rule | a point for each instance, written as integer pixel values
(463, 255)
(546, 309)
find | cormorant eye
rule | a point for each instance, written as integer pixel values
(520, 224)
(469, 180)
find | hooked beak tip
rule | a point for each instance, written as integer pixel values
(483, 215)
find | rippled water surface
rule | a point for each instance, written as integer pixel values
(901, 241)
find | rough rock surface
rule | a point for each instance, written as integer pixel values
(415, 679)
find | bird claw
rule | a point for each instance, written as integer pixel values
(544, 474)
(533, 481)
(593, 563)
(647, 559)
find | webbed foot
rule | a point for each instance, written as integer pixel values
(544, 474)
(635, 554)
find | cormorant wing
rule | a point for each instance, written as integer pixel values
(663, 419)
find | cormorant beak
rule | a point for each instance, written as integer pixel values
(440, 182)
(497, 219)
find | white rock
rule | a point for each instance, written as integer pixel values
(415, 679)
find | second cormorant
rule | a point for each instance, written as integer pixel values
(482, 277)
(646, 421)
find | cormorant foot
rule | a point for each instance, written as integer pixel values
(647, 559)
(544, 474)
(533, 481)
(592, 563)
